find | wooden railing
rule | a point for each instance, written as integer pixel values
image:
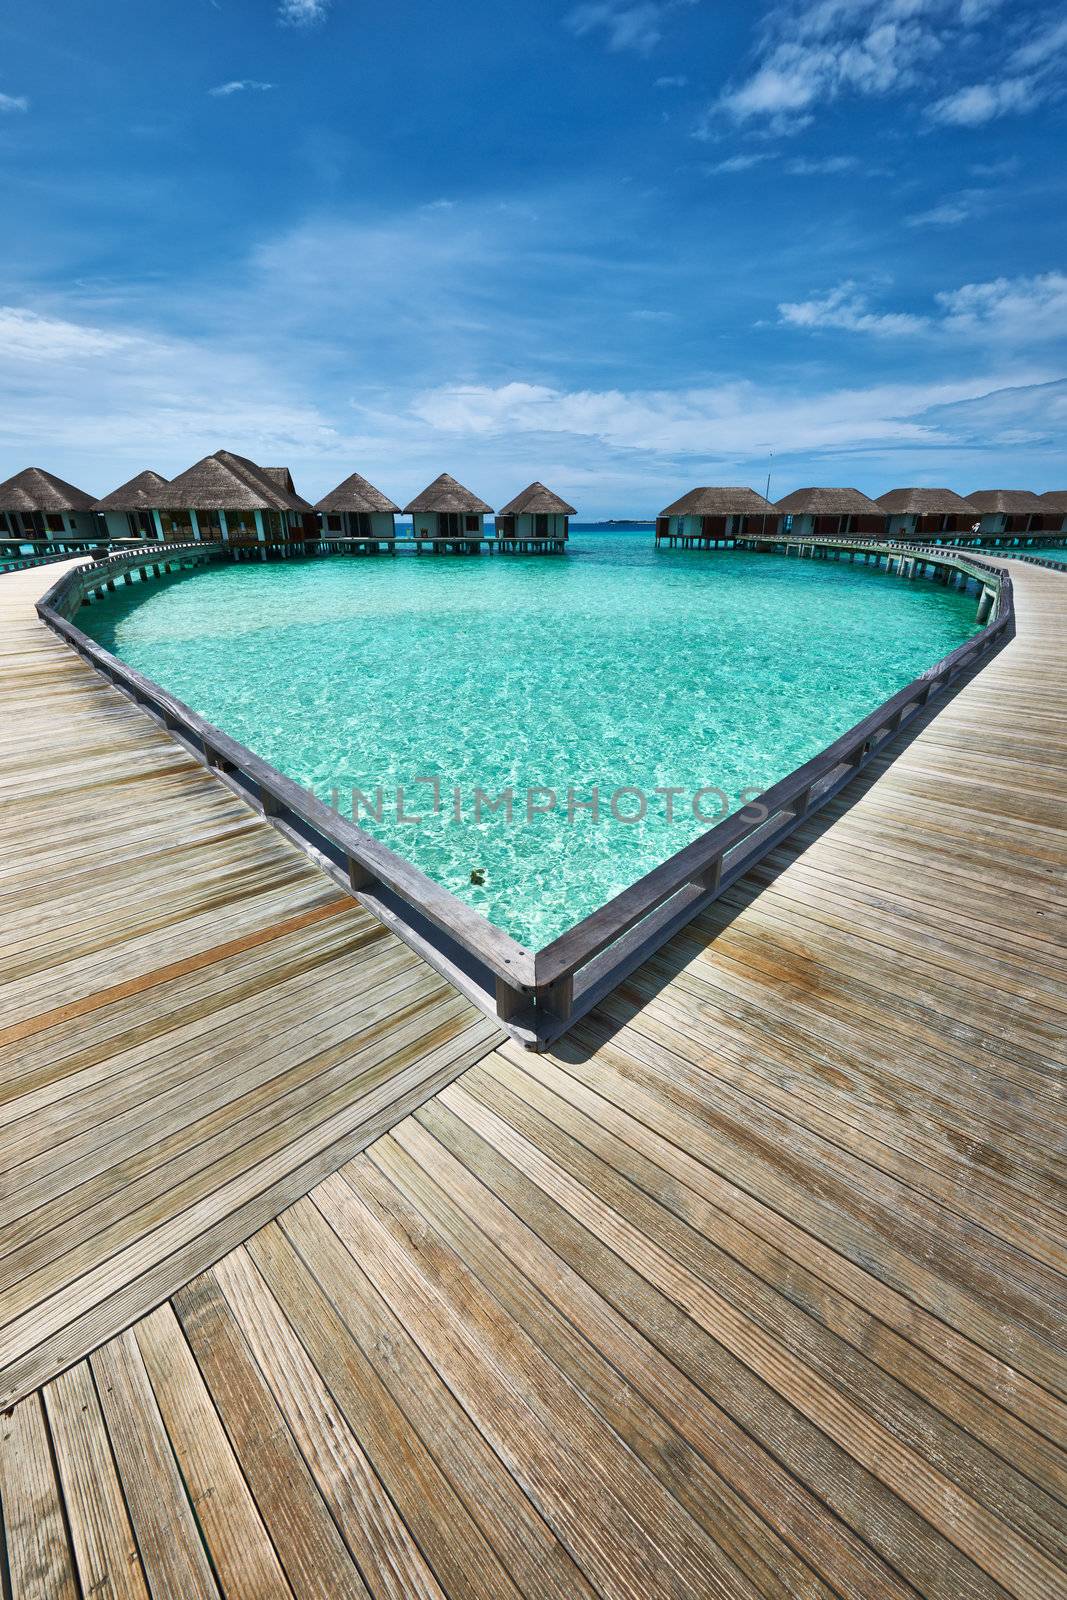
(536, 996)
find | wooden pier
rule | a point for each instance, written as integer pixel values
(311, 1283)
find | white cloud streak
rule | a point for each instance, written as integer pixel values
(813, 52)
(847, 308)
(302, 13)
(626, 25)
(13, 102)
(1024, 312)
(1033, 76)
(222, 91)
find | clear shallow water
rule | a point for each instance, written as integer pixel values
(613, 667)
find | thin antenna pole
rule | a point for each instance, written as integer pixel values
(767, 495)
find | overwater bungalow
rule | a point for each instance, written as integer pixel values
(1007, 511)
(922, 513)
(35, 504)
(827, 513)
(357, 511)
(448, 516)
(227, 498)
(706, 517)
(127, 510)
(536, 520)
(1054, 510)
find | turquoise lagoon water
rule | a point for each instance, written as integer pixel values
(615, 667)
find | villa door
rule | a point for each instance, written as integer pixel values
(448, 525)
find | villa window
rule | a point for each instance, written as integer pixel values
(54, 523)
(333, 522)
(470, 524)
(176, 524)
(540, 526)
(242, 523)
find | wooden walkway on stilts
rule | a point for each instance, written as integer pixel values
(312, 1284)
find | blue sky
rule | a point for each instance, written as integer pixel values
(621, 245)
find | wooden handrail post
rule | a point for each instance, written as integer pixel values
(558, 997)
(711, 876)
(358, 875)
(509, 1000)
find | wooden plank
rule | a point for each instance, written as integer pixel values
(344, 1475)
(478, 1531)
(102, 1539)
(308, 1542)
(38, 1557)
(168, 1538)
(230, 1524)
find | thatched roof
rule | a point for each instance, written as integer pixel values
(227, 482)
(141, 494)
(828, 503)
(355, 494)
(1010, 502)
(536, 500)
(33, 489)
(1054, 500)
(925, 503)
(718, 503)
(445, 494)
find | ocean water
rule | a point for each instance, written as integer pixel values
(615, 670)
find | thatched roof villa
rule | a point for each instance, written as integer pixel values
(537, 517)
(1008, 510)
(826, 513)
(1054, 510)
(357, 510)
(35, 504)
(228, 497)
(706, 516)
(127, 510)
(914, 513)
(446, 512)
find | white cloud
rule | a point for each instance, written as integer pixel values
(627, 26)
(677, 82)
(1012, 310)
(1034, 75)
(301, 13)
(846, 307)
(741, 163)
(13, 102)
(238, 86)
(107, 394)
(28, 337)
(812, 52)
(1018, 312)
(946, 215)
(819, 166)
(1039, 50)
(982, 102)
(732, 422)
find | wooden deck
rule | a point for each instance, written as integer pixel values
(195, 1025)
(754, 1287)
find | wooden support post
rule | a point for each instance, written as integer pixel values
(509, 1000)
(558, 997)
(358, 876)
(711, 876)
